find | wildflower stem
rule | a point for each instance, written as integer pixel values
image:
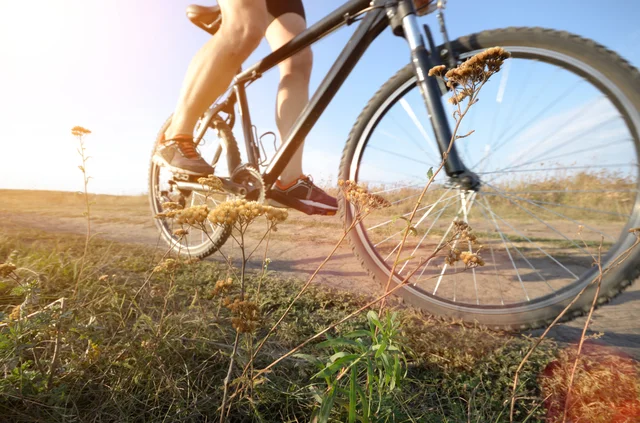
(264, 267)
(355, 313)
(227, 379)
(302, 290)
(422, 194)
(244, 264)
(584, 331)
(623, 256)
(85, 179)
(56, 348)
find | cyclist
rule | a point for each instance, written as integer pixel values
(244, 23)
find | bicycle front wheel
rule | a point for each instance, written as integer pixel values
(556, 146)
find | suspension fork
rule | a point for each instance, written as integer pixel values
(404, 23)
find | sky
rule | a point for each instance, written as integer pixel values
(116, 67)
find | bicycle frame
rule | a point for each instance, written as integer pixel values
(378, 14)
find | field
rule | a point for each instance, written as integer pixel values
(142, 346)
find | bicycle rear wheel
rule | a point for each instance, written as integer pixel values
(198, 242)
(556, 145)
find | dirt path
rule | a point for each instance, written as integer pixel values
(300, 246)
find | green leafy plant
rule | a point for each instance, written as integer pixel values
(364, 371)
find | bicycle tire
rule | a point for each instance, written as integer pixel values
(615, 69)
(219, 238)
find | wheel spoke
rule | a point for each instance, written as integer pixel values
(539, 159)
(412, 115)
(506, 248)
(542, 111)
(547, 169)
(549, 136)
(502, 194)
(514, 247)
(409, 140)
(531, 242)
(424, 216)
(399, 188)
(427, 232)
(464, 210)
(563, 205)
(386, 222)
(400, 155)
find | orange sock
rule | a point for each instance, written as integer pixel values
(177, 137)
(289, 185)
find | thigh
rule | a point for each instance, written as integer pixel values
(277, 8)
(287, 19)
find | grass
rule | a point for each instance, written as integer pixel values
(107, 208)
(162, 355)
(568, 194)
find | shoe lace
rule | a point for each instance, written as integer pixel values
(187, 149)
(308, 181)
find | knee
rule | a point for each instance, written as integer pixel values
(245, 33)
(300, 64)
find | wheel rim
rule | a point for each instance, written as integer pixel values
(501, 247)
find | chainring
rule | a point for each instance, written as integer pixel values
(249, 176)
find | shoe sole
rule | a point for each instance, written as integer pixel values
(309, 209)
(160, 161)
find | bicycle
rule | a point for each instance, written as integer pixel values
(522, 190)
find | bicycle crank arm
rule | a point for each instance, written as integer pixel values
(227, 186)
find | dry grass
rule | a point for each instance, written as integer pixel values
(106, 208)
(606, 387)
(165, 360)
(613, 201)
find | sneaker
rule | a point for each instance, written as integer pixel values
(305, 196)
(180, 156)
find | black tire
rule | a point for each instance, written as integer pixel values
(222, 232)
(617, 71)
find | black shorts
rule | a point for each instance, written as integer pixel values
(277, 8)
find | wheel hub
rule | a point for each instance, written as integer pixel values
(467, 181)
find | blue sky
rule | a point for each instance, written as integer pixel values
(116, 68)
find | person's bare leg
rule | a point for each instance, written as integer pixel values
(293, 91)
(213, 67)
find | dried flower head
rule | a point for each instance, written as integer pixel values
(212, 182)
(16, 312)
(453, 256)
(466, 79)
(244, 212)
(465, 231)
(194, 215)
(222, 287)
(247, 315)
(79, 131)
(6, 269)
(438, 71)
(478, 68)
(170, 205)
(181, 232)
(363, 200)
(170, 214)
(471, 259)
(168, 265)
